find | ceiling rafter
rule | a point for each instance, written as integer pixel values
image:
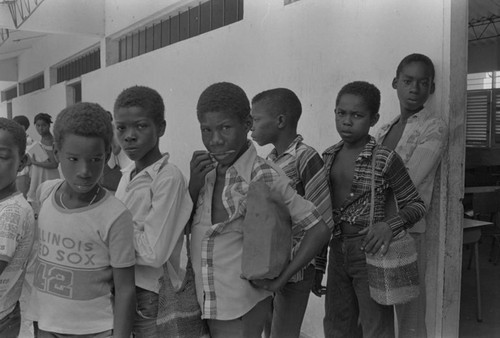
(484, 28)
(21, 10)
(4, 35)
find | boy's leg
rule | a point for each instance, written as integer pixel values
(250, 325)
(289, 306)
(145, 314)
(341, 305)
(411, 316)
(376, 320)
(10, 325)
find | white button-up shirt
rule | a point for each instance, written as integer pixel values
(160, 204)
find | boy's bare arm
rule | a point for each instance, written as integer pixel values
(46, 164)
(125, 301)
(314, 239)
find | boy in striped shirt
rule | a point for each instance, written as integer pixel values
(349, 309)
(276, 113)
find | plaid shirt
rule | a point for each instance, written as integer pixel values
(216, 249)
(390, 172)
(303, 165)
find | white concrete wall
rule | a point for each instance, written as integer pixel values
(311, 46)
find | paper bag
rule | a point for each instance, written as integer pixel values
(267, 234)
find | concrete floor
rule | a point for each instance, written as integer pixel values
(312, 326)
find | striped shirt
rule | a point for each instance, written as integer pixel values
(304, 167)
(421, 146)
(216, 249)
(390, 173)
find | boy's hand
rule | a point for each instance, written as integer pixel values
(272, 285)
(318, 289)
(201, 163)
(377, 239)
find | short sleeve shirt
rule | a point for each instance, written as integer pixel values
(73, 277)
(216, 249)
(16, 240)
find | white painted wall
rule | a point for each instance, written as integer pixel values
(311, 46)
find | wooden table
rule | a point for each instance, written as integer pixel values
(472, 235)
(476, 190)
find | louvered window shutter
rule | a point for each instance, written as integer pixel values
(478, 108)
(496, 114)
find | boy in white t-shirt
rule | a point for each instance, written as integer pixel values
(84, 269)
(16, 227)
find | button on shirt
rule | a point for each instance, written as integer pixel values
(390, 172)
(217, 248)
(159, 201)
(304, 166)
(420, 147)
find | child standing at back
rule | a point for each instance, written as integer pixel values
(219, 183)
(349, 309)
(275, 115)
(44, 165)
(418, 135)
(156, 193)
(16, 227)
(84, 269)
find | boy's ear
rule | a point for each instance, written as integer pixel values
(248, 123)
(161, 128)
(281, 121)
(433, 88)
(395, 83)
(374, 120)
(22, 162)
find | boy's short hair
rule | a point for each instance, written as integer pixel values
(416, 57)
(282, 100)
(17, 132)
(83, 119)
(44, 117)
(224, 97)
(142, 97)
(22, 120)
(367, 91)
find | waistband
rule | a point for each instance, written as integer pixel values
(350, 230)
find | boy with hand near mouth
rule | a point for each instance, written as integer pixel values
(235, 307)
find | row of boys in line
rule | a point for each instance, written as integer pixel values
(91, 279)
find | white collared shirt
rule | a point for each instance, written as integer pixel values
(159, 201)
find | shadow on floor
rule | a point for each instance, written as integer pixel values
(490, 295)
